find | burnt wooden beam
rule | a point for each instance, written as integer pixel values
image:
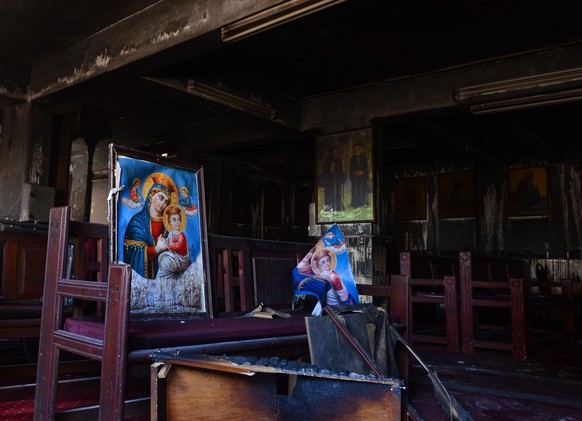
(270, 107)
(199, 135)
(196, 124)
(358, 106)
(164, 33)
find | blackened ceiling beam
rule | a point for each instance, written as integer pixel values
(271, 106)
(156, 36)
(200, 136)
(431, 91)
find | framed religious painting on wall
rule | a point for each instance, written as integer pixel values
(158, 226)
(528, 191)
(456, 197)
(344, 177)
(410, 198)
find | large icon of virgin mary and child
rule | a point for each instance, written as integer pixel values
(159, 236)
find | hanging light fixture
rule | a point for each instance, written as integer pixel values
(272, 17)
(524, 92)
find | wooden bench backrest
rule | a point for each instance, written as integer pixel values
(428, 267)
(91, 250)
(22, 257)
(438, 288)
(497, 269)
(444, 266)
(259, 270)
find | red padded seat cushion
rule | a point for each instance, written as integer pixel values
(171, 333)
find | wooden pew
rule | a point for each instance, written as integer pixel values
(22, 256)
(491, 287)
(22, 270)
(247, 272)
(431, 283)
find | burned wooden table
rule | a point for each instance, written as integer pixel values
(218, 388)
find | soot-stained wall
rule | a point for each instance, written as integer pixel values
(494, 227)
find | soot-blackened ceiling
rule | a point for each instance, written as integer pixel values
(365, 41)
(355, 43)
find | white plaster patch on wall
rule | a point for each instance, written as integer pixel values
(492, 219)
(407, 174)
(407, 240)
(575, 192)
(358, 254)
(433, 206)
(127, 50)
(16, 93)
(410, 243)
(102, 60)
(36, 165)
(166, 36)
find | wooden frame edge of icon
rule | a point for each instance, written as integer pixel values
(344, 143)
(410, 199)
(139, 167)
(528, 192)
(457, 198)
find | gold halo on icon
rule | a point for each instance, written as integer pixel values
(320, 252)
(164, 180)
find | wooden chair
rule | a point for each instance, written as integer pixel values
(431, 283)
(499, 308)
(113, 291)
